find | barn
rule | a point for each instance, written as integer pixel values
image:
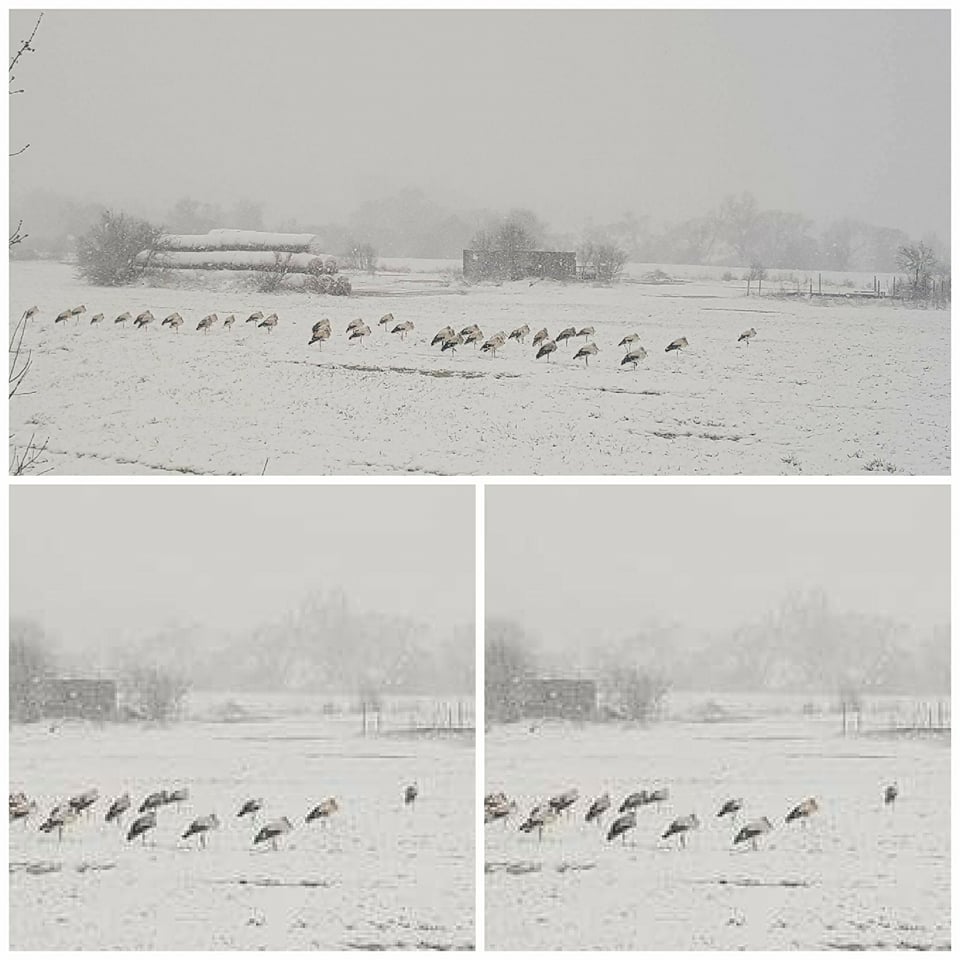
(514, 265)
(560, 698)
(79, 698)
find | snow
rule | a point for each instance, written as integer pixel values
(223, 239)
(381, 875)
(824, 388)
(859, 876)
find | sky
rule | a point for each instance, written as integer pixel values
(571, 563)
(94, 563)
(578, 115)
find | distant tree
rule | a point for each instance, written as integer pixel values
(360, 256)
(107, 253)
(638, 693)
(155, 692)
(31, 663)
(508, 664)
(606, 258)
(737, 220)
(919, 262)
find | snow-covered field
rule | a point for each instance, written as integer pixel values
(381, 876)
(824, 388)
(860, 876)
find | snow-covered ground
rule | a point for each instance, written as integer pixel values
(824, 388)
(381, 876)
(859, 876)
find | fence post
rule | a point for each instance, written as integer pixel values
(363, 712)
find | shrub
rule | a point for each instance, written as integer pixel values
(270, 279)
(107, 253)
(156, 693)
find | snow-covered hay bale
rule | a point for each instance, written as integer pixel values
(228, 260)
(224, 239)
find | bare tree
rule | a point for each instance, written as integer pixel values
(108, 254)
(26, 46)
(155, 692)
(919, 261)
(22, 459)
(31, 663)
(509, 663)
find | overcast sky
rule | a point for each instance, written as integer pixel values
(574, 114)
(91, 562)
(572, 562)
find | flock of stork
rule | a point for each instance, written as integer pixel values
(173, 320)
(448, 339)
(498, 807)
(65, 815)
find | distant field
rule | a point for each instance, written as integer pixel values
(859, 877)
(382, 875)
(824, 388)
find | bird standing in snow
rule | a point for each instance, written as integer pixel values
(586, 352)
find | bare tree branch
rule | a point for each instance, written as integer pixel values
(25, 47)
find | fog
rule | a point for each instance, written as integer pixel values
(97, 566)
(577, 115)
(583, 569)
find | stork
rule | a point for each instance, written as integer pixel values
(319, 335)
(803, 811)
(586, 352)
(143, 319)
(494, 344)
(540, 816)
(451, 343)
(549, 346)
(731, 808)
(566, 334)
(140, 827)
(629, 340)
(323, 811)
(598, 808)
(153, 801)
(747, 335)
(677, 345)
(634, 357)
(272, 831)
(385, 319)
(410, 795)
(564, 801)
(540, 336)
(255, 317)
(178, 796)
(251, 808)
(585, 332)
(442, 335)
(96, 318)
(76, 311)
(360, 332)
(753, 831)
(403, 328)
(269, 322)
(201, 827)
(60, 816)
(123, 317)
(230, 321)
(890, 795)
(118, 808)
(681, 827)
(82, 802)
(620, 826)
(520, 333)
